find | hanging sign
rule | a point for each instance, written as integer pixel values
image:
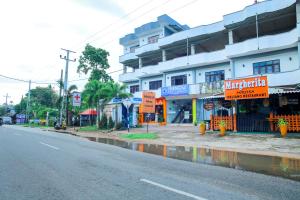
(246, 88)
(148, 102)
(208, 106)
(76, 99)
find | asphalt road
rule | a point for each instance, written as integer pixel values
(36, 164)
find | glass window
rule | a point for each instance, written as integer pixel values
(134, 88)
(154, 85)
(266, 67)
(179, 80)
(133, 48)
(153, 39)
(214, 76)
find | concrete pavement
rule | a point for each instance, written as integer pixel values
(35, 164)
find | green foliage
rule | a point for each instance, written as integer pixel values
(94, 60)
(103, 122)
(282, 122)
(222, 123)
(44, 96)
(88, 128)
(2, 110)
(133, 136)
(111, 123)
(195, 123)
(119, 126)
(202, 123)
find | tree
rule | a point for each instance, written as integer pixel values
(70, 91)
(45, 96)
(95, 61)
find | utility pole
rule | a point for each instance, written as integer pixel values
(6, 105)
(28, 102)
(60, 82)
(65, 91)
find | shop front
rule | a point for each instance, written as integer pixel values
(159, 116)
(249, 105)
(181, 107)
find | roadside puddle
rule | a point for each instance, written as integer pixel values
(270, 165)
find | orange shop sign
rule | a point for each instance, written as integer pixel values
(246, 88)
(148, 102)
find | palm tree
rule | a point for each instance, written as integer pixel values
(115, 90)
(71, 89)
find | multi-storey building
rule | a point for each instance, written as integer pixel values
(186, 67)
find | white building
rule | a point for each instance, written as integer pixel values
(190, 64)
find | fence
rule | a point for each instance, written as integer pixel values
(293, 122)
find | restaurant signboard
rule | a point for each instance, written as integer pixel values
(246, 88)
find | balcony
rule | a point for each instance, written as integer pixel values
(284, 78)
(144, 71)
(147, 48)
(194, 60)
(127, 57)
(207, 88)
(266, 44)
(252, 10)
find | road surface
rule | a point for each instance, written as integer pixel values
(36, 164)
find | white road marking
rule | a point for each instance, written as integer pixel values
(48, 145)
(173, 190)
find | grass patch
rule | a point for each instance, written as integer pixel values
(88, 128)
(133, 136)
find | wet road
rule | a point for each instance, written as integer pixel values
(35, 164)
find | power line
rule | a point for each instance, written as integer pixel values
(110, 25)
(136, 18)
(175, 10)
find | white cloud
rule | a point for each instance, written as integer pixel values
(33, 31)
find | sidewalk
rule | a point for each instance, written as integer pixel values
(260, 144)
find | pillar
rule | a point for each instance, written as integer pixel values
(165, 110)
(230, 37)
(164, 80)
(194, 110)
(140, 85)
(193, 49)
(164, 57)
(232, 68)
(140, 63)
(124, 69)
(234, 111)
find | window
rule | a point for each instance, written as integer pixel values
(133, 48)
(179, 80)
(134, 88)
(266, 67)
(154, 85)
(153, 39)
(214, 76)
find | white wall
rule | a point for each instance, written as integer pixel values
(188, 73)
(126, 49)
(285, 63)
(200, 73)
(145, 82)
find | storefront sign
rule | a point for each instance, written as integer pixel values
(247, 88)
(148, 102)
(159, 102)
(209, 106)
(178, 90)
(136, 100)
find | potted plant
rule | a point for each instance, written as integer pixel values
(202, 128)
(222, 126)
(282, 124)
(195, 123)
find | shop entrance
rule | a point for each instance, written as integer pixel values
(180, 111)
(252, 115)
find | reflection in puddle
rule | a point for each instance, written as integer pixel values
(271, 165)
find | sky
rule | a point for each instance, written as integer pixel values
(34, 31)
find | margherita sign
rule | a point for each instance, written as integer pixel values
(246, 88)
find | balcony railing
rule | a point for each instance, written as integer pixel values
(263, 44)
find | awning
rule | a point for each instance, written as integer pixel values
(89, 112)
(283, 90)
